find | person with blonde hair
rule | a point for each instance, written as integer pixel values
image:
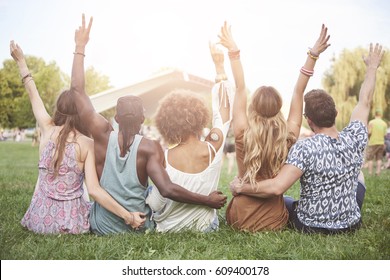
(263, 138)
(192, 162)
(66, 159)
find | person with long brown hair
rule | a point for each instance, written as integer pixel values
(66, 159)
(263, 137)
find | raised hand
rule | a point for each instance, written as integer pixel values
(81, 36)
(226, 38)
(216, 54)
(135, 219)
(216, 200)
(322, 42)
(16, 52)
(374, 56)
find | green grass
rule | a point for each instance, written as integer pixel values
(18, 173)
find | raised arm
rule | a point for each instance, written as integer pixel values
(43, 118)
(372, 62)
(240, 101)
(96, 123)
(222, 95)
(100, 195)
(294, 120)
(160, 178)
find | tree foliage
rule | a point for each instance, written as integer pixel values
(15, 107)
(96, 82)
(344, 79)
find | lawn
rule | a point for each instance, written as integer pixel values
(18, 173)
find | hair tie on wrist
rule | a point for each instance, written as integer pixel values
(79, 53)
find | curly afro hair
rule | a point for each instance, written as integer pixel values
(180, 114)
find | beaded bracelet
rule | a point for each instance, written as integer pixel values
(79, 53)
(312, 55)
(306, 72)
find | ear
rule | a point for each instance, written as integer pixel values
(116, 118)
(337, 112)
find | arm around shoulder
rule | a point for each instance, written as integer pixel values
(278, 185)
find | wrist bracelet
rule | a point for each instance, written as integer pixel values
(26, 76)
(312, 55)
(79, 53)
(307, 72)
(233, 55)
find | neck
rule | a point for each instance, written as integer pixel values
(191, 139)
(330, 131)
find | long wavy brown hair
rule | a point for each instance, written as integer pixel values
(65, 114)
(266, 140)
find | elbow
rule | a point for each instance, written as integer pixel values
(93, 194)
(276, 191)
(166, 191)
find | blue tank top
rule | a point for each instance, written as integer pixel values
(120, 180)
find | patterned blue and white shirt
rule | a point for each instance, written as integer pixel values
(330, 176)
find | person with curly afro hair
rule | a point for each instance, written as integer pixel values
(192, 162)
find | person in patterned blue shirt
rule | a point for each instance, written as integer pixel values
(328, 164)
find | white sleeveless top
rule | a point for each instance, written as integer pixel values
(174, 216)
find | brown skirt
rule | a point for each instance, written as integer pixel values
(256, 214)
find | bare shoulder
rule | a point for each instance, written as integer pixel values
(86, 143)
(149, 146)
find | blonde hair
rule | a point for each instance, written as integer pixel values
(266, 140)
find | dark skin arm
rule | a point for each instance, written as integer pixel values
(151, 157)
(97, 125)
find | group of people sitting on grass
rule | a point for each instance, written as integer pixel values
(136, 186)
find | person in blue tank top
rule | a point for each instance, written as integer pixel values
(124, 159)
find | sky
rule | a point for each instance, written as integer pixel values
(131, 40)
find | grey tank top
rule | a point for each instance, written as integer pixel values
(120, 180)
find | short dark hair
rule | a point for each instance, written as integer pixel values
(320, 108)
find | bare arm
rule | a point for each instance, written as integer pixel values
(372, 62)
(160, 178)
(100, 195)
(240, 101)
(96, 123)
(287, 176)
(222, 98)
(43, 118)
(294, 120)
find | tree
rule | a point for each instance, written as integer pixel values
(344, 79)
(15, 107)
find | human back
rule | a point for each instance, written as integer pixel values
(192, 162)
(121, 181)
